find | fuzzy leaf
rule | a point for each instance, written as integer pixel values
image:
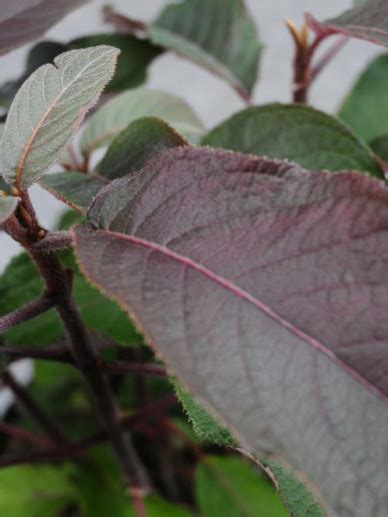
(264, 288)
(116, 114)
(216, 34)
(135, 57)
(22, 21)
(74, 188)
(7, 207)
(204, 425)
(296, 498)
(42, 53)
(367, 21)
(136, 145)
(232, 488)
(309, 137)
(21, 283)
(366, 107)
(49, 108)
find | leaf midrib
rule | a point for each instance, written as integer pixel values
(261, 306)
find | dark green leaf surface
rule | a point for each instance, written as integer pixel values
(35, 491)
(232, 488)
(380, 147)
(302, 134)
(135, 57)
(141, 141)
(21, 283)
(73, 188)
(366, 107)
(295, 496)
(217, 34)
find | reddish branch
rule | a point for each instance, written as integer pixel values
(58, 287)
(27, 312)
(63, 355)
(33, 408)
(153, 411)
(55, 241)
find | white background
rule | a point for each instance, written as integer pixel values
(212, 99)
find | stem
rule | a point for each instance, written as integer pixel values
(156, 409)
(32, 407)
(25, 436)
(55, 241)
(326, 58)
(28, 312)
(63, 355)
(87, 360)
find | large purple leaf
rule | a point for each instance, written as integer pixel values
(368, 21)
(264, 288)
(22, 21)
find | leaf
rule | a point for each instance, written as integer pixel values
(36, 491)
(74, 188)
(205, 427)
(309, 137)
(264, 288)
(232, 488)
(216, 34)
(294, 495)
(117, 113)
(7, 207)
(22, 21)
(141, 141)
(135, 57)
(366, 21)
(49, 108)
(21, 283)
(366, 107)
(42, 53)
(380, 146)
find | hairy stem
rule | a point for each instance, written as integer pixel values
(155, 411)
(27, 312)
(55, 241)
(63, 355)
(87, 361)
(33, 408)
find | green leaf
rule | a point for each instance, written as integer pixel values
(380, 146)
(136, 55)
(295, 496)
(21, 283)
(206, 428)
(366, 107)
(309, 137)
(216, 34)
(141, 141)
(232, 488)
(35, 491)
(73, 188)
(117, 113)
(40, 54)
(49, 108)
(7, 207)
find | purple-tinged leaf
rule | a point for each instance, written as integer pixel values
(367, 21)
(22, 21)
(74, 188)
(264, 288)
